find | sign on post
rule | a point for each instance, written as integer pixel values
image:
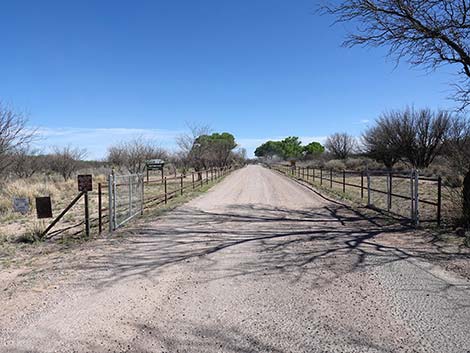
(44, 207)
(154, 164)
(21, 205)
(85, 182)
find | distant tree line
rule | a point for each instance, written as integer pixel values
(428, 34)
(198, 150)
(290, 148)
(413, 137)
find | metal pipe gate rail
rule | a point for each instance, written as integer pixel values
(127, 195)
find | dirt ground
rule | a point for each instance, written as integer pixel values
(258, 264)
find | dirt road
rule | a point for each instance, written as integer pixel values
(258, 264)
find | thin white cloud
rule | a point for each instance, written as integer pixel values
(114, 132)
(255, 142)
(97, 140)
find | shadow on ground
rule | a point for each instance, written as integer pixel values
(285, 240)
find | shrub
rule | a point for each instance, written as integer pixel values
(453, 181)
(335, 164)
(354, 164)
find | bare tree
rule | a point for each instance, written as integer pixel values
(425, 33)
(239, 156)
(376, 144)
(14, 134)
(66, 160)
(26, 162)
(341, 145)
(190, 157)
(133, 155)
(458, 152)
(414, 136)
(457, 146)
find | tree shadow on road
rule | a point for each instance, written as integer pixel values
(285, 240)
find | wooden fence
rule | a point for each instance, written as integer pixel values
(409, 196)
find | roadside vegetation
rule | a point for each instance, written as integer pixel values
(428, 35)
(435, 143)
(29, 173)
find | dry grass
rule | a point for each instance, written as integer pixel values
(15, 227)
(428, 191)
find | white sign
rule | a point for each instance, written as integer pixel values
(21, 204)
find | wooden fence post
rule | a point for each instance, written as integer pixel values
(166, 194)
(331, 178)
(321, 176)
(417, 197)
(100, 210)
(111, 202)
(313, 174)
(143, 197)
(87, 215)
(362, 184)
(130, 196)
(344, 181)
(368, 190)
(439, 199)
(192, 174)
(412, 195)
(181, 184)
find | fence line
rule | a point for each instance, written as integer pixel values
(368, 182)
(144, 195)
(172, 187)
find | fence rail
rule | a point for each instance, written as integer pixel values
(124, 197)
(409, 196)
(137, 194)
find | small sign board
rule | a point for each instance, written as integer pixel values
(44, 207)
(85, 182)
(21, 205)
(155, 164)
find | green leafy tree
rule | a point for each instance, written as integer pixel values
(213, 150)
(269, 150)
(313, 149)
(291, 148)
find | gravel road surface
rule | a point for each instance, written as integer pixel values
(257, 264)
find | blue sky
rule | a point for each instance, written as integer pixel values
(90, 73)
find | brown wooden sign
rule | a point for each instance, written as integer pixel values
(44, 207)
(85, 182)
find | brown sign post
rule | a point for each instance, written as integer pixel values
(85, 184)
(44, 207)
(154, 164)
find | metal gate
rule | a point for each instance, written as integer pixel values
(126, 198)
(383, 186)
